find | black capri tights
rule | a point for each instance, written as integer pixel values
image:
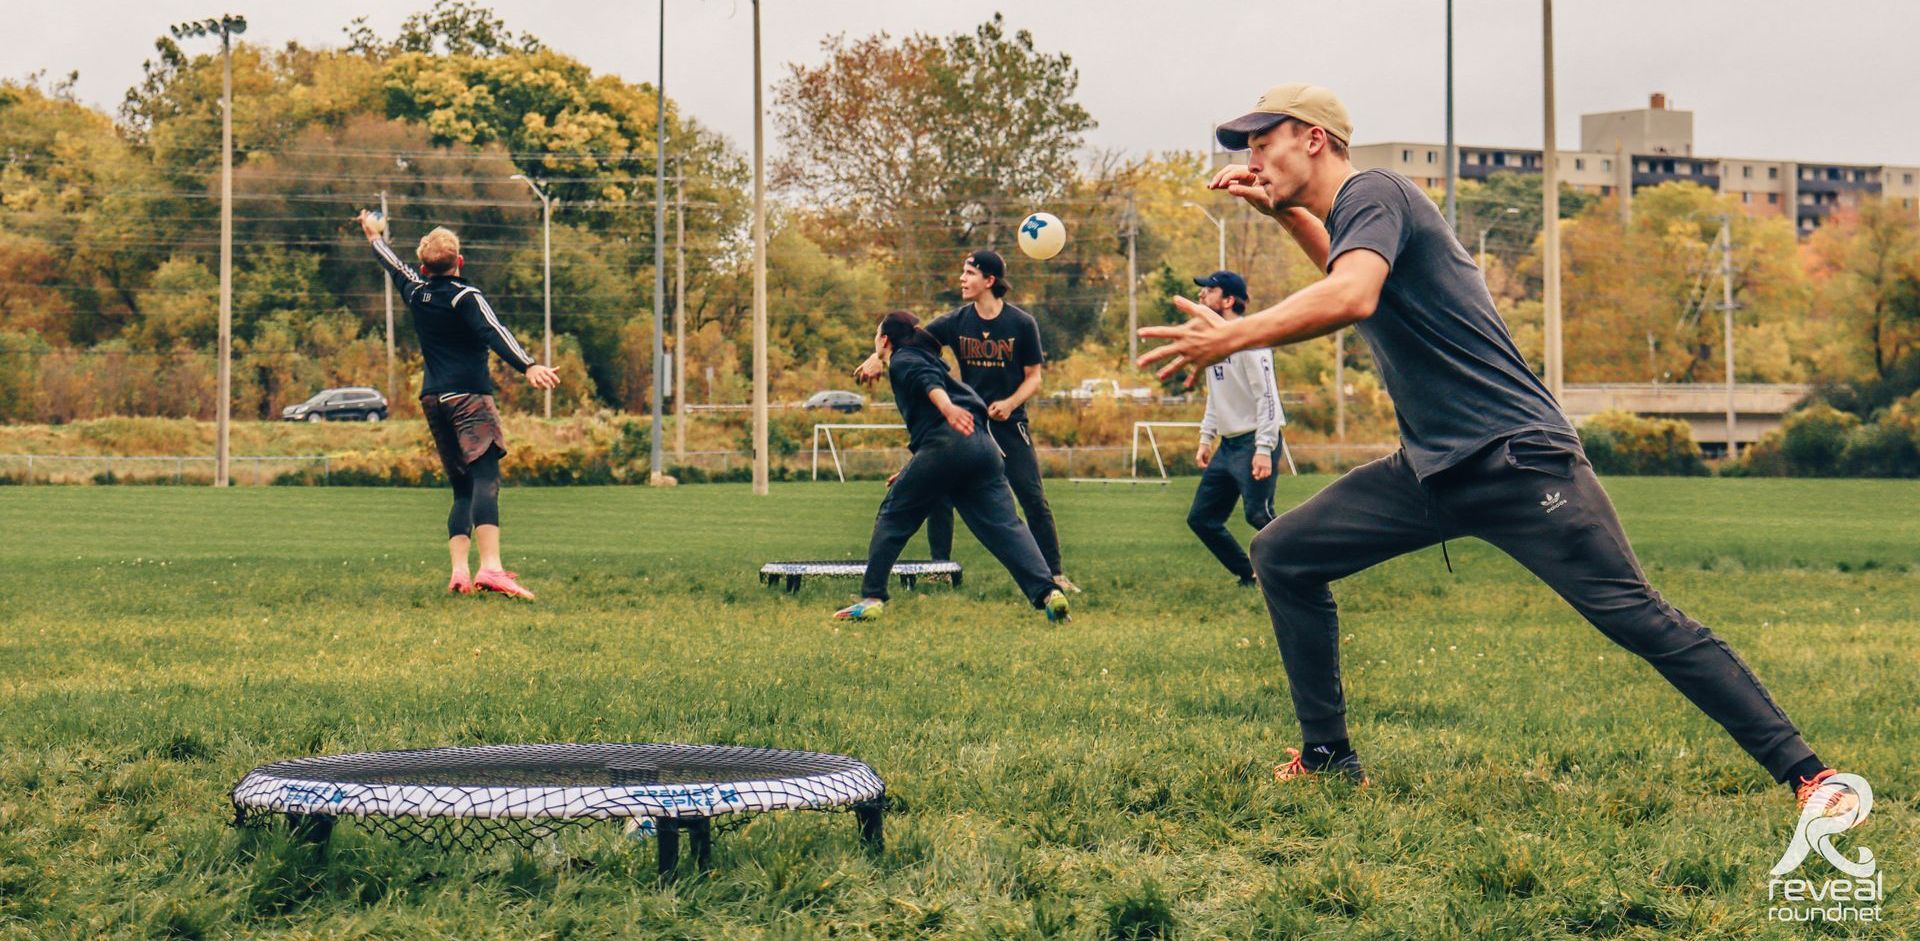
(476, 496)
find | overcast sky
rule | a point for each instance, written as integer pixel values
(1764, 78)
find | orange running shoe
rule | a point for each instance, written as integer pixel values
(502, 582)
(460, 584)
(1348, 767)
(1838, 800)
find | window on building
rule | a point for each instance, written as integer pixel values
(1806, 199)
(1666, 166)
(1833, 174)
(1773, 173)
(1746, 197)
(1606, 190)
(1579, 164)
(1746, 172)
(1906, 178)
(1606, 165)
(1406, 156)
(1643, 166)
(1773, 199)
(1806, 173)
(1499, 160)
(1432, 156)
(1684, 168)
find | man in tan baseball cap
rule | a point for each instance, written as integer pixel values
(1300, 101)
(1485, 450)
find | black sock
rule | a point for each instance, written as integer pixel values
(1322, 754)
(1804, 770)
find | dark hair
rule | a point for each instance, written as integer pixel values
(902, 329)
(989, 263)
(1239, 306)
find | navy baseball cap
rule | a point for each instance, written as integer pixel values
(1229, 284)
(988, 262)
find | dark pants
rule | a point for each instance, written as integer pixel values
(1023, 474)
(1229, 477)
(969, 475)
(1536, 499)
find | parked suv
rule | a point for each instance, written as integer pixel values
(838, 401)
(357, 403)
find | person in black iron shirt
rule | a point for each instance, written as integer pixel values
(998, 347)
(955, 464)
(456, 326)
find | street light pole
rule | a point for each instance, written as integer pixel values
(1550, 205)
(680, 315)
(659, 246)
(386, 294)
(1221, 224)
(1453, 209)
(546, 275)
(759, 272)
(226, 27)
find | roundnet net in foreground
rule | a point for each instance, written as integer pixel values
(478, 797)
(908, 571)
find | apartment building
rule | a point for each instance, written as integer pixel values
(1653, 145)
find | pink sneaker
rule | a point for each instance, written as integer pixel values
(502, 582)
(460, 584)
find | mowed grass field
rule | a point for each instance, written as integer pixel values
(1109, 777)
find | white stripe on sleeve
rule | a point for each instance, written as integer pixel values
(494, 321)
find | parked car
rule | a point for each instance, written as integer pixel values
(356, 403)
(836, 400)
(1090, 389)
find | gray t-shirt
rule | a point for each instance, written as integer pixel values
(1457, 381)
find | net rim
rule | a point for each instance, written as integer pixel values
(289, 787)
(857, 567)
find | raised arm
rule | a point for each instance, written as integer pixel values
(404, 277)
(1344, 297)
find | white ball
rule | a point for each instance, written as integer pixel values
(1042, 235)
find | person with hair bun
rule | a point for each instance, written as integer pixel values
(955, 461)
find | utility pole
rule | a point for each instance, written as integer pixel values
(659, 246)
(1726, 306)
(1133, 283)
(226, 27)
(546, 274)
(759, 272)
(680, 315)
(1453, 210)
(386, 289)
(1550, 204)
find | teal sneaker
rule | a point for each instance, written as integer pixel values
(865, 610)
(1056, 606)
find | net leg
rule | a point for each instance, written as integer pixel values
(313, 829)
(700, 831)
(667, 834)
(906, 581)
(871, 814)
(793, 583)
(956, 579)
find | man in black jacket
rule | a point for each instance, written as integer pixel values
(456, 326)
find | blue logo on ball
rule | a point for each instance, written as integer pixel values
(1031, 228)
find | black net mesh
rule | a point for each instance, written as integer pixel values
(908, 571)
(479, 797)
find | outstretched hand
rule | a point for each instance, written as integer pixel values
(1200, 342)
(370, 225)
(543, 377)
(1239, 181)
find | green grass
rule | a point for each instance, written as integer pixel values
(1108, 778)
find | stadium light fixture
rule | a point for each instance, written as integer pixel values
(546, 240)
(226, 27)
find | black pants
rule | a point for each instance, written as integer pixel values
(1023, 474)
(967, 474)
(1229, 477)
(1535, 498)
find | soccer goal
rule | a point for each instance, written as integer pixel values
(824, 432)
(1153, 445)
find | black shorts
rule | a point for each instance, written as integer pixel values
(465, 427)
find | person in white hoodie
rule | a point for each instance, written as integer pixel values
(1237, 436)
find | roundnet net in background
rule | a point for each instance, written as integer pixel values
(906, 570)
(478, 797)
